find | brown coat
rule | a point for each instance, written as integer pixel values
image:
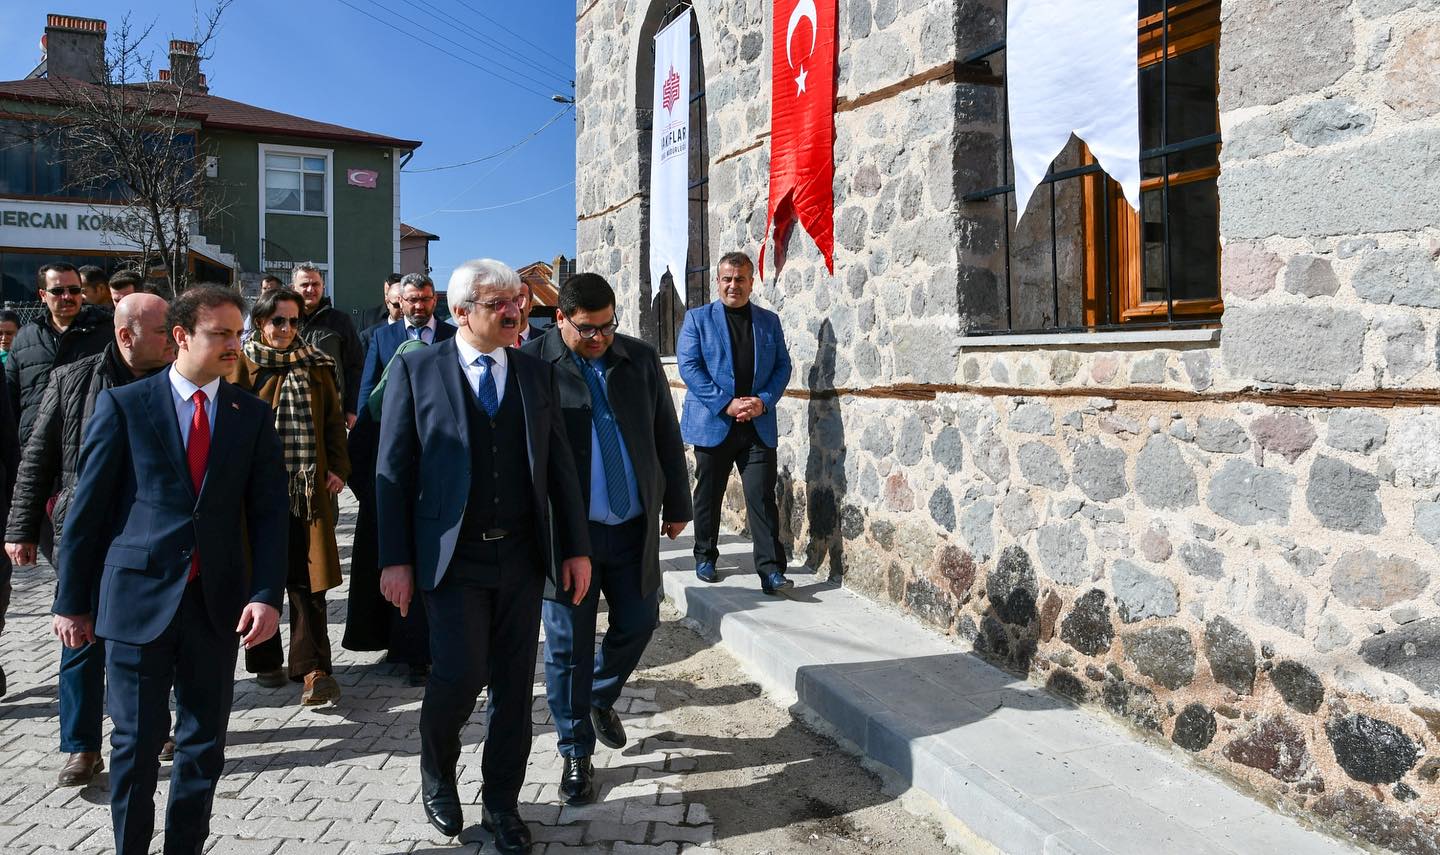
(331, 456)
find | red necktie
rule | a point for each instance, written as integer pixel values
(198, 454)
(520, 340)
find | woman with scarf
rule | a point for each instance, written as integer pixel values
(299, 383)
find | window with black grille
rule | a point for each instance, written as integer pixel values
(1082, 259)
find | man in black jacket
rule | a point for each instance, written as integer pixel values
(141, 345)
(394, 311)
(384, 313)
(309, 282)
(68, 331)
(625, 438)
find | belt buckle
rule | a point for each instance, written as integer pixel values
(494, 534)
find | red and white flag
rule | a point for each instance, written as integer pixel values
(802, 125)
(366, 178)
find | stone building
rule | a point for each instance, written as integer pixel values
(1181, 468)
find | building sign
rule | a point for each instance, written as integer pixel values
(670, 154)
(61, 225)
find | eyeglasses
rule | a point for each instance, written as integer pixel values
(62, 290)
(589, 331)
(281, 323)
(394, 305)
(419, 301)
(499, 305)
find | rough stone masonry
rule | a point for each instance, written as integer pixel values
(1231, 543)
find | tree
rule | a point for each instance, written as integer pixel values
(133, 135)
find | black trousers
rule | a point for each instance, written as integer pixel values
(483, 635)
(743, 450)
(309, 622)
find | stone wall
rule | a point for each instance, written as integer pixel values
(1229, 544)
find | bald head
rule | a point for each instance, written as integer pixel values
(141, 334)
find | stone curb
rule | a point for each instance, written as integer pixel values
(1017, 767)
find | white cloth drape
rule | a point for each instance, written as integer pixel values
(670, 154)
(1071, 67)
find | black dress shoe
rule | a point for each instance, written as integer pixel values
(442, 807)
(577, 781)
(511, 833)
(608, 728)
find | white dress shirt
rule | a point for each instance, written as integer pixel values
(469, 363)
(182, 391)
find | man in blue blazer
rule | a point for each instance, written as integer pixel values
(370, 622)
(154, 562)
(473, 457)
(735, 365)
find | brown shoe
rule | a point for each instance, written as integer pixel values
(167, 751)
(320, 688)
(81, 769)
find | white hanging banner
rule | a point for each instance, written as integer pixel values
(1071, 68)
(670, 154)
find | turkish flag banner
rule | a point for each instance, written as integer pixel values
(802, 125)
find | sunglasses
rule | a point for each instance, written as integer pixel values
(62, 290)
(394, 305)
(280, 323)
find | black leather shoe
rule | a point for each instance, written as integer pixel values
(577, 781)
(511, 833)
(442, 807)
(608, 728)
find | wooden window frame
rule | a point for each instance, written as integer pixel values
(1193, 24)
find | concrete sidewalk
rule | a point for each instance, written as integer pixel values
(1018, 767)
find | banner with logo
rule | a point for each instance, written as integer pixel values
(1072, 69)
(670, 154)
(802, 125)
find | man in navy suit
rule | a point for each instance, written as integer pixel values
(180, 481)
(371, 623)
(473, 456)
(735, 365)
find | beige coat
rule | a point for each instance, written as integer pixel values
(331, 456)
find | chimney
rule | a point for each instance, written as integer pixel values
(185, 66)
(75, 48)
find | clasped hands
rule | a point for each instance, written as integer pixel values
(745, 409)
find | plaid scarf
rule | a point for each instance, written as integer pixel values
(294, 420)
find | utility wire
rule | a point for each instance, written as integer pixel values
(566, 63)
(533, 134)
(569, 183)
(440, 35)
(474, 32)
(428, 44)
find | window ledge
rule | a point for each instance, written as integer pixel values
(1083, 339)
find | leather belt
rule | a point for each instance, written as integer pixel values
(494, 534)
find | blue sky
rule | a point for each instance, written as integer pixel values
(324, 60)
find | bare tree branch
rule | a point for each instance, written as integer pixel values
(132, 142)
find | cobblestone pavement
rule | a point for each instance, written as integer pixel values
(341, 778)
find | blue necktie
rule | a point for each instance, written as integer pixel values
(488, 397)
(611, 456)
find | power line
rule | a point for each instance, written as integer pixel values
(567, 63)
(440, 35)
(474, 32)
(428, 44)
(533, 134)
(569, 183)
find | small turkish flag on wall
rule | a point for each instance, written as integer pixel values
(802, 125)
(362, 178)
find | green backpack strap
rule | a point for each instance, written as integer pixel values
(377, 395)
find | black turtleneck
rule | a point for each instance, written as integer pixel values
(742, 348)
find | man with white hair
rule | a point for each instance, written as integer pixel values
(468, 524)
(141, 346)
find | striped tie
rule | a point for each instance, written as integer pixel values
(611, 456)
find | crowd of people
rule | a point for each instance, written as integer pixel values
(179, 464)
